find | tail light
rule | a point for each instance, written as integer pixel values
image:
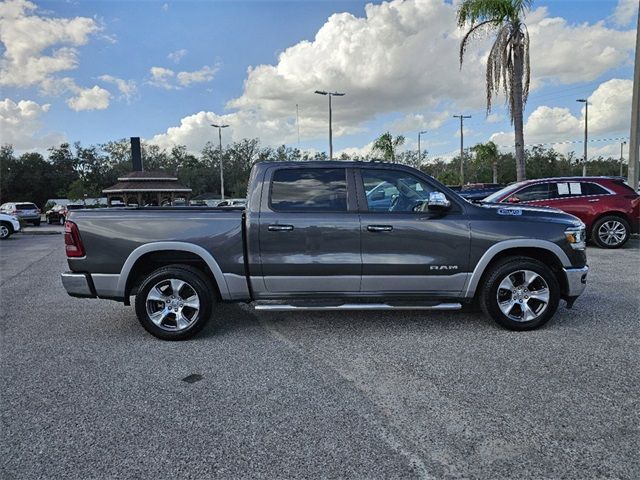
(72, 241)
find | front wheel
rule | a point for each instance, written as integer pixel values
(36, 223)
(520, 293)
(174, 302)
(610, 232)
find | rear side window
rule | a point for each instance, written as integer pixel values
(309, 190)
(589, 188)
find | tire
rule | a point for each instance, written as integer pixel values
(5, 230)
(520, 293)
(610, 232)
(36, 223)
(165, 303)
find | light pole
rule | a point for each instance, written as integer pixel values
(331, 94)
(419, 150)
(586, 133)
(462, 117)
(220, 127)
(622, 144)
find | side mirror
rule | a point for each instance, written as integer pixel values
(438, 202)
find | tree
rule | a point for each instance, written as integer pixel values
(386, 146)
(508, 61)
(487, 156)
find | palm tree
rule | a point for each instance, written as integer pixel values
(487, 154)
(508, 61)
(386, 145)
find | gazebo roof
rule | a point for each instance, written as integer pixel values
(146, 182)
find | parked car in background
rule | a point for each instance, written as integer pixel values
(25, 211)
(478, 191)
(9, 225)
(609, 207)
(58, 213)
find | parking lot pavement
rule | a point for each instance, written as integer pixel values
(86, 392)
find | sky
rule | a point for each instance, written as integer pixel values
(95, 71)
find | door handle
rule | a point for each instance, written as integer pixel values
(280, 228)
(379, 228)
(594, 200)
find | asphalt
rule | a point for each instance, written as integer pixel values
(87, 393)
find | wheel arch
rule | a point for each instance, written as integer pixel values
(547, 252)
(150, 256)
(610, 213)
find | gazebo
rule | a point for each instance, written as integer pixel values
(147, 188)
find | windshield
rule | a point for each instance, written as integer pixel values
(495, 196)
(26, 206)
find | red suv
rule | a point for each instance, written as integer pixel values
(608, 207)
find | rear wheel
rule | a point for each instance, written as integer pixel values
(36, 222)
(174, 302)
(520, 293)
(610, 232)
(5, 231)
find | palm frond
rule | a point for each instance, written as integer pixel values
(469, 34)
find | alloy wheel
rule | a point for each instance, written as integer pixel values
(612, 233)
(173, 305)
(523, 295)
(4, 231)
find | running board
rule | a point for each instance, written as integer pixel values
(355, 306)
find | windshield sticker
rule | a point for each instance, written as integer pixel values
(510, 211)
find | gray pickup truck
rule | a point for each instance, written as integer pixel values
(329, 236)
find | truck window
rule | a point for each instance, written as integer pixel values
(309, 190)
(393, 191)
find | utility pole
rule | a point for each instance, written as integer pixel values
(220, 127)
(298, 124)
(331, 94)
(419, 150)
(622, 144)
(462, 117)
(634, 141)
(586, 133)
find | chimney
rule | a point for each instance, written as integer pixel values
(136, 155)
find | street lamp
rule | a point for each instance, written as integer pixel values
(331, 94)
(419, 150)
(220, 127)
(622, 144)
(586, 133)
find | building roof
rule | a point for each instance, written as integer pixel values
(147, 176)
(167, 185)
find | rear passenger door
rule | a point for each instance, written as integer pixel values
(309, 232)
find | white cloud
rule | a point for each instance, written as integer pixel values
(609, 114)
(626, 11)
(205, 74)
(564, 53)
(168, 79)
(165, 7)
(20, 125)
(127, 88)
(94, 98)
(415, 122)
(35, 47)
(177, 55)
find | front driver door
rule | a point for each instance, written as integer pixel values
(406, 251)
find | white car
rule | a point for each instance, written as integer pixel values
(8, 225)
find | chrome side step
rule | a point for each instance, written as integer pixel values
(355, 306)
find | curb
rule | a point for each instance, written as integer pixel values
(42, 232)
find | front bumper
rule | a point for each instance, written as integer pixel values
(576, 281)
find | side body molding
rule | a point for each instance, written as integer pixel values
(183, 246)
(474, 279)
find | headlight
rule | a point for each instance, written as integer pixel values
(576, 236)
